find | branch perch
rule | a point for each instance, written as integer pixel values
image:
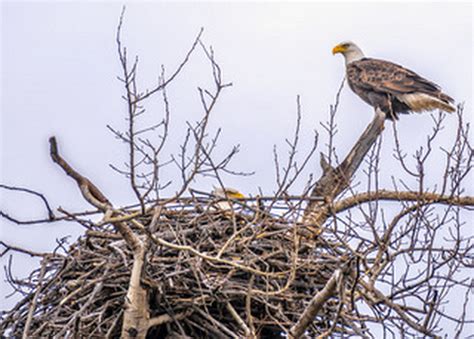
(335, 180)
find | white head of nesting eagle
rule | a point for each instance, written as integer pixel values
(390, 87)
(226, 194)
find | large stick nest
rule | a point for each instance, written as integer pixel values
(252, 271)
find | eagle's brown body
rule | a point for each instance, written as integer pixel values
(391, 87)
(394, 89)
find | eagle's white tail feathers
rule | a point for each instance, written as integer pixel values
(421, 102)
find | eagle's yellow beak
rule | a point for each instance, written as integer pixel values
(338, 49)
(237, 195)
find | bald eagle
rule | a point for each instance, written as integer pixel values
(226, 194)
(390, 87)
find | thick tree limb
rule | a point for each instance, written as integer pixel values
(315, 305)
(95, 197)
(335, 180)
(90, 192)
(424, 198)
(137, 314)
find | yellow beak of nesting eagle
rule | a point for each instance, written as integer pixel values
(227, 192)
(235, 195)
(341, 48)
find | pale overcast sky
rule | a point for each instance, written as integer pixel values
(58, 77)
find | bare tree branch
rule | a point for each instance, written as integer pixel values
(315, 306)
(26, 190)
(335, 180)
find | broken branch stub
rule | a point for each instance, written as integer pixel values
(89, 191)
(335, 180)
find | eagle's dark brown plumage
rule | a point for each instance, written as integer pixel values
(391, 87)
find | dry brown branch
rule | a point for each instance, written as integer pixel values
(166, 318)
(35, 299)
(424, 198)
(89, 191)
(240, 321)
(380, 297)
(51, 216)
(136, 315)
(335, 180)
(9, 247)
(315, 306)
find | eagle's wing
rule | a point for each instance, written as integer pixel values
(385, 76)
(373, 77)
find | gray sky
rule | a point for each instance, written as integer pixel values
(58, 77)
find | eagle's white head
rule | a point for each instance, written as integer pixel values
(227, 193)
(350, 50)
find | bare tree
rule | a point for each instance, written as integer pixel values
(341, 259)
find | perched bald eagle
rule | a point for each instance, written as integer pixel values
(390, 87)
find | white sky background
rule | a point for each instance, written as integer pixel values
(58, 77)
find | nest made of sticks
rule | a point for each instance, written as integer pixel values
(224, 272)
